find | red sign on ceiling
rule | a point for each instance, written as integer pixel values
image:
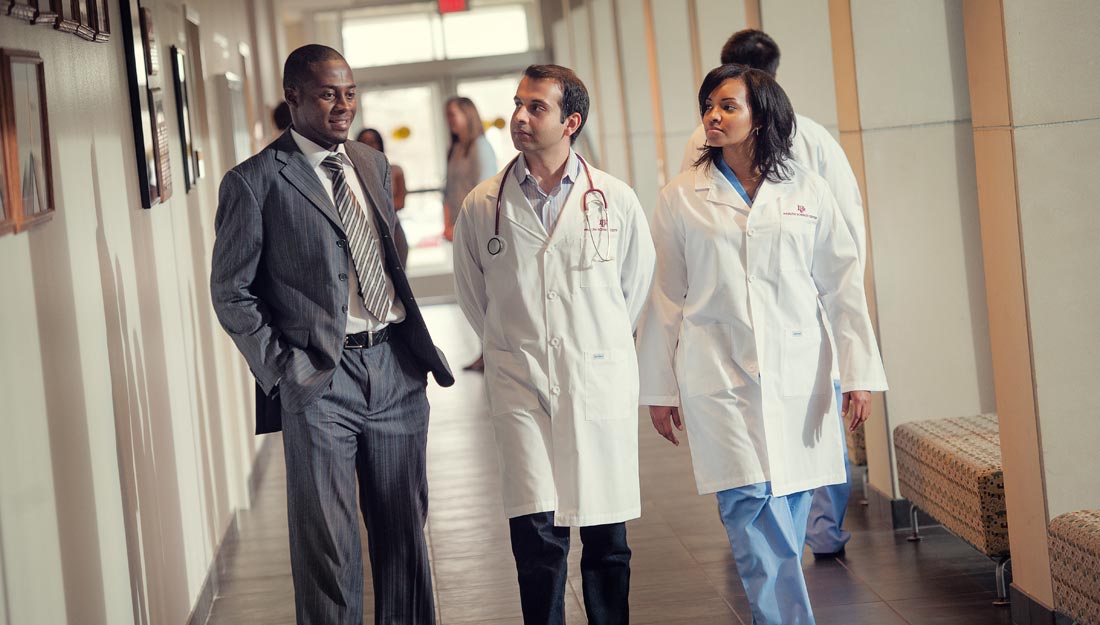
(450, 6)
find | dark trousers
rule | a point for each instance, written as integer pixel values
(541, 550)
(371, 424)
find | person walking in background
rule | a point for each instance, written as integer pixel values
(750, 247)
(373, 138)
(470, 159)
(553, 261)
(305, 280)
(813, 147)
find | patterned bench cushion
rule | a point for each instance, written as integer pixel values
(951, 469)
(1075, 565)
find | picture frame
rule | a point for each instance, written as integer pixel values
(143, 88)
(33, 11)
(181, 73)
(27, 172)
(67, 15)
(100, 14)
(162, 161)
(149, 37)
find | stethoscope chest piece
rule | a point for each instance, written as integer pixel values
(495, 245)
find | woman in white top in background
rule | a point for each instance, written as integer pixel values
(750, 249)
(470, 160)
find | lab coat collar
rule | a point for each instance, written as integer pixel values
(710, 182)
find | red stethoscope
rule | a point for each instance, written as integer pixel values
(593, 195)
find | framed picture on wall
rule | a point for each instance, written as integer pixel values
(67, 15)
(28, 197)
(149, 36)
(162, 162)
(144, 87)
(100, 16)
(34, 11)
(181, 73)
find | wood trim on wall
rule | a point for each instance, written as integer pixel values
(655, 93)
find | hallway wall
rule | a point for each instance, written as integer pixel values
(127, 414)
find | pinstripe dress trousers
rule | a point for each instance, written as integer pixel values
(371, 423)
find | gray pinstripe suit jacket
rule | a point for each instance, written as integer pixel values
(279, 252)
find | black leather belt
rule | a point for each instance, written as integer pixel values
(363, 340)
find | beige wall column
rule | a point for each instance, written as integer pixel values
(904, 121)
(1036, 124)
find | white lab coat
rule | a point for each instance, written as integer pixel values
(733, 331)
(557, 329)
(814, 147)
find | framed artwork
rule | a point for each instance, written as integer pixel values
(100, 16)
(27, 172)
(34, 11)
(149, 35)
(71, 17)
(145, 89)
(181, 72)
(162, 162)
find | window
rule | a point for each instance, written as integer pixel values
(377, 37)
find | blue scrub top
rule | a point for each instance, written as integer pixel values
(728, 173)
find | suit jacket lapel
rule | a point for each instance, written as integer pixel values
(300, 175)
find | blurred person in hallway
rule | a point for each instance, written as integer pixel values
(732, 346)
(373, 138)
(813, 147)
(470, 159)
(305, 280)
(553, 260)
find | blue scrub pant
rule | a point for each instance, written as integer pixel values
(766, 534)
(825, 533)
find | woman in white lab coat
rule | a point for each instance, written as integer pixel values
(750, 249)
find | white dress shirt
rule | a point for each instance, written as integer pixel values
(359, 318)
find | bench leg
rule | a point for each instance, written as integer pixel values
(1002, 582)
(914, 536)
(864, 501)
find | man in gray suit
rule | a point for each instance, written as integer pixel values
(306, 282)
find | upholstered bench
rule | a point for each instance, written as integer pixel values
(951, 469)
(1075, 565)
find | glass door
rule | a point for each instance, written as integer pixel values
(493, 98)
(410, 120)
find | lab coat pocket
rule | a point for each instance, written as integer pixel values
(610, 384)
(706, 361)
(507, 379)
(801, 364)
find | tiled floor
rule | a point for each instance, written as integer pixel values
(682, 571)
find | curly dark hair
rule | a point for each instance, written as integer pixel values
(772, 119)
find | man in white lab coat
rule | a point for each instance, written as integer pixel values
(553, 260)
(815, 149)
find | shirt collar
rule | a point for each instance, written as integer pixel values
(572, 169)
(313, 152)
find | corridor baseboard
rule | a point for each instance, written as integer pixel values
(896, 511)
(1028, 611)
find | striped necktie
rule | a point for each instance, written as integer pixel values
(362, 242)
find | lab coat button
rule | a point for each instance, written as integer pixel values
(554, 342)
(752, 231)
(751, 368)
(556, 390)
(752, 279)
(551, 295)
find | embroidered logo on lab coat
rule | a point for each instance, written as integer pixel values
(801, 212)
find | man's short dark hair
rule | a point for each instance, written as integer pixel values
(281, 116)
(574, 95)
(753, 48)
(297, 68)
